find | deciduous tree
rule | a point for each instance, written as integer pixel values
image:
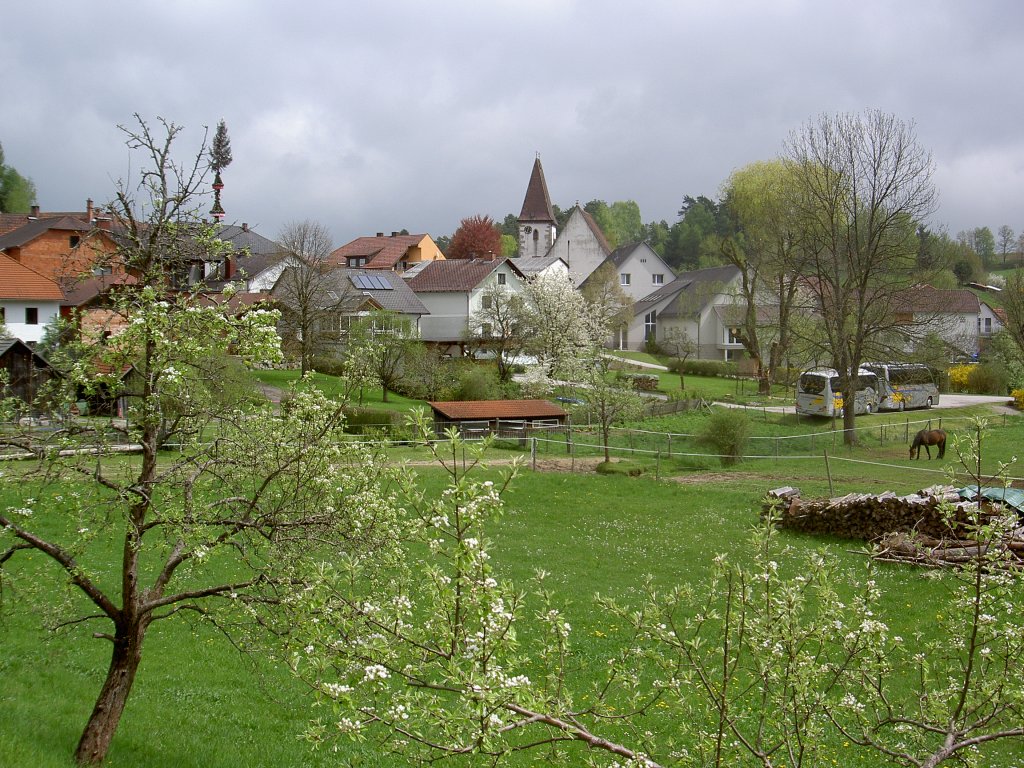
(768, 252)
(502, 326)
(862, 182)
(17, 193)
(304, 289)
(215, 530)
(477, 237)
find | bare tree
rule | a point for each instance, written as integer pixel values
(1013, 305)
(502, 326)
(680, 346)
(862, 183)
(304, 290)
(1007, 239)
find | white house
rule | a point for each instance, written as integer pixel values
(693, 303)
(28, 301)
(453, 290)
(954, 315)
(639, 270)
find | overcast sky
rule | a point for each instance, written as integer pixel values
(415, 115)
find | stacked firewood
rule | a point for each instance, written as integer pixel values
(909, 528)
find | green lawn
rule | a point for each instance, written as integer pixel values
(371, 398)
(198, 702)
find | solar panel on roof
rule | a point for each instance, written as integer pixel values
(371, 283)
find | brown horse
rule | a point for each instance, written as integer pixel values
(928, 437)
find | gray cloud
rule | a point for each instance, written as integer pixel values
(414, 115)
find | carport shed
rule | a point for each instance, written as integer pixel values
(502, 418)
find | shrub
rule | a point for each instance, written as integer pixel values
(726, 432)
(1018, 398)
(707, 368)
(988, 379)
(958, 376)
(477, 382)
(332, 366)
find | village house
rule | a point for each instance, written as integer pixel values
(692, 303)
(396, 252)
(453, 291)
(29, 301)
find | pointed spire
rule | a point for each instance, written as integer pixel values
(537, 205)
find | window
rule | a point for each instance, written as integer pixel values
(487, 301)
(624, 278)
(102, 269)
(658, 279)
(31, 316)
(501, 278)
(74, 240)
(733, 336)
(3, 315)
(988, 325)
(651, 325)
(356, 261)
(486, 329)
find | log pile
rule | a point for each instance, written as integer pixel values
(906, 528)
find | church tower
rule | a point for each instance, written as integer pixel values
(537, 219)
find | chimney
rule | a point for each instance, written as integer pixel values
(394, 234)
(88, 211)
(35, 212)
(245, 226)
(380, 234)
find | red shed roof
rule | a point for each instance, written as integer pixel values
(461, 410)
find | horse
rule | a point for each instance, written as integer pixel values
(928, 437)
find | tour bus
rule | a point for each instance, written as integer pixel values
(905, 385)
(819, 392)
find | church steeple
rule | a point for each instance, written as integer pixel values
(537, 219)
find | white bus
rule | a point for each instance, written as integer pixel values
(819, 392)
(905, 385)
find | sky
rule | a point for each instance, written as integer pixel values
(415, 115)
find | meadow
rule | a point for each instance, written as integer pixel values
(199, 702)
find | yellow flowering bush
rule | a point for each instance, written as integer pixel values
(958, 377)
(1018, 398)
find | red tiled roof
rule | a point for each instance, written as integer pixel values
(455, 275)
(380, 252)
(498, 409)
(926, 299)
(19, 282)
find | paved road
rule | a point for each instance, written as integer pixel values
(945, 401)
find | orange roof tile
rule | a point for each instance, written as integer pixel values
(19, 282)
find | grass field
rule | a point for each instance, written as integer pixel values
(198, 702)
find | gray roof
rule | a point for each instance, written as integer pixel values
(532, 265)
(688, 284)
(254, 253)
(399, 297)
